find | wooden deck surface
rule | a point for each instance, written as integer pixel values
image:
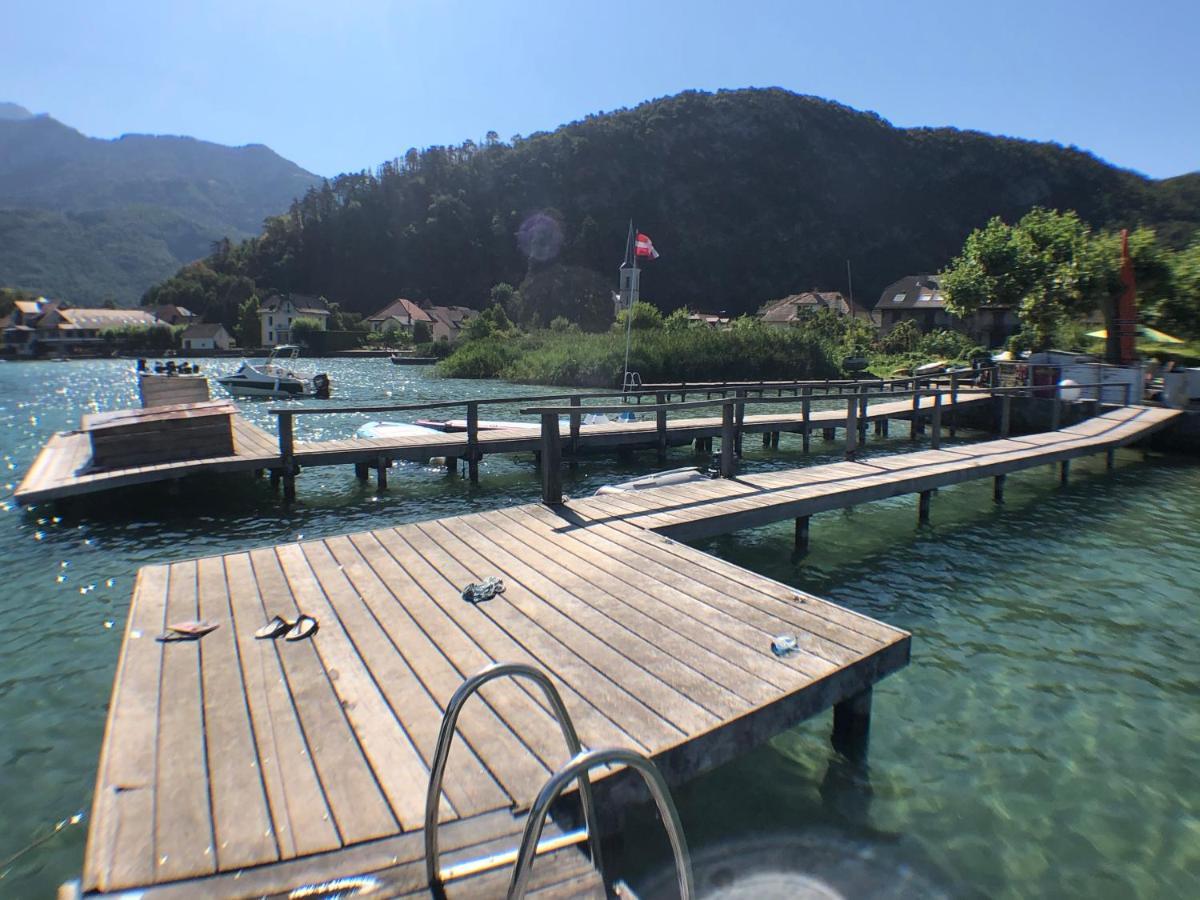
(232, 766)
(719, 506)
(63, 467)
(230, 753)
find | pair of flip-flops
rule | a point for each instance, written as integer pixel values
(187, 631)
(485, 590)
(304, 627)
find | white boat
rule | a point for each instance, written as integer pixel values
(373, 430)
(275, 378)
(669, 478)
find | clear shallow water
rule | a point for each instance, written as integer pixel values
(1045, 740)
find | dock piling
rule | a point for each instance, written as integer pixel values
(286, 454)
(806, 412)
(1110, 459)
(381, 467)
(728, 453)
(473, 453)
(1005, 415)
(551, 461)
(998, 489)
(852, 726)
(923, 507)
(1064, 472)
(851, 427)
(801, 534)
(740, 394)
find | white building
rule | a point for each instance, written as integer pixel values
(206, 337)
(278, 312)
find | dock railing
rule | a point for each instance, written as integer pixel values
(733, 419)
(286, 429)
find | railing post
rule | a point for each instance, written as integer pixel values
(728, 452)
(936, 429)
(1005, 415)
(851, 427)
(575, 420)
(473, 441)
(916, 411)
(740, 393)
(286, 455)
(661, 420)
(862, 413)
(807, 416)
(954, 403)
(551, 461)
(1055, 411)
(1128, 393)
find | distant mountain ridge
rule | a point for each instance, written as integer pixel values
(89, 219)
(749, 195)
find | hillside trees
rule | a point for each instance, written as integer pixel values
(748, 194)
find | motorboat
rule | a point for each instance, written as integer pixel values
(564, 422)
(375, 430)
(670, 478)
(275, 378)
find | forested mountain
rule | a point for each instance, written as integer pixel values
(749, 195)
(88, 219)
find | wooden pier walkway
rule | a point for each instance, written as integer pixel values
(237, 767)
(722, 505)
(64, 469)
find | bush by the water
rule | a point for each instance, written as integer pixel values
(747, 351)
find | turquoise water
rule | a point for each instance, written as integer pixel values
(1044, 742)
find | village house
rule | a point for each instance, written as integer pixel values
(918, 298)
(796, 307)
(205, 336)
(445, 322)
(175, 315)
(279, 311)
(448, 321)
(44, 326)
(399, 314)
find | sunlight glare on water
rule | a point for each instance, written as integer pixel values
(1044, 741)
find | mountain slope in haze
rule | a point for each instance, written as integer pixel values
(749, 195)
(88, 219)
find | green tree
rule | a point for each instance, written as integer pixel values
(303, 329)
(678, 320)
(249, 326)
(1179, 313)
(1049, 266)
(422, 333)
(645, 316)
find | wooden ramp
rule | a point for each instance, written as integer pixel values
(64, 467)
(720, 506)
(233, 766)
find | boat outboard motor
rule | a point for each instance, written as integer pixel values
(321, 386)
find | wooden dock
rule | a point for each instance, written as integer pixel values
(64, 468)
(237, 767)
(723, 505)
(233, 766)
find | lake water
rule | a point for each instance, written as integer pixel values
(1044, 742)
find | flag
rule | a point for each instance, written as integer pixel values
(645, 247)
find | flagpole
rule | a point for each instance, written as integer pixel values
(629, 309)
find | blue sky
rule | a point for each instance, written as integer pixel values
(342, 86)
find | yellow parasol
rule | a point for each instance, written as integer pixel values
(1144, 333)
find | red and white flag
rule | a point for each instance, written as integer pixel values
(645, 247)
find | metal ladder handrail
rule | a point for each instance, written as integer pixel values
(578, 767)
(442, 752)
